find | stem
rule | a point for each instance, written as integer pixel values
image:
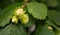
(25, 3)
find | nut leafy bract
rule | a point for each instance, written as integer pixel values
(38, 10)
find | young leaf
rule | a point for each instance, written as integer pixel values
(6, 14)
(38, 10)
(13, 30)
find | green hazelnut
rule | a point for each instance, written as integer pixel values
(14, 19)
(19, 12)
(24, 19)
(50, 28)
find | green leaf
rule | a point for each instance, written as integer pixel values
(50, 23)
(43, 30)
(6, 14)
(52, 3)
(58, 6)
(57, 32)
(54, 16)
(13, 30)
(38, 10)
(43, 1)
(32, 0)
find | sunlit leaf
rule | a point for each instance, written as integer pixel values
(38, 10)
